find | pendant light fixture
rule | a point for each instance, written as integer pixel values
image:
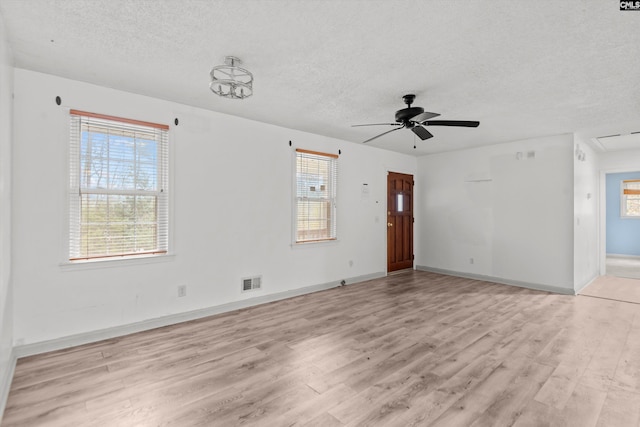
(231, 81)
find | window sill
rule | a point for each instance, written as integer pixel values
(115, 262)
(314, 244)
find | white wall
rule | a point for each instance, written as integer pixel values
(585, 220)
(6, 304)
(232, 192)
(620, 161)
(513, 217)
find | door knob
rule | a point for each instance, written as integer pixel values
(389, 224)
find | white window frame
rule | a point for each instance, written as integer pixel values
(625, 191)
(330, 199)
(78, 119)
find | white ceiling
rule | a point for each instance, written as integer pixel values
(523, 69)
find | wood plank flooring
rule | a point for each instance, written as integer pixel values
(412, 349)
(615, 288)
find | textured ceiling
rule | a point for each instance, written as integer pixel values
(523, 69)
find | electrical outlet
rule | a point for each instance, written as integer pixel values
(182, 291)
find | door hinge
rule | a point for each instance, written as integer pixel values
(413, 257)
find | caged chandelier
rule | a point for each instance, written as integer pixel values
(231, 81)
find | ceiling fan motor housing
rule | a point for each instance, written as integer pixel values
(404, 115)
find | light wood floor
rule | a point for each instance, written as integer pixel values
(411, 349)
(615, 288)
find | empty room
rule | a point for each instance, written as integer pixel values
(319, 213)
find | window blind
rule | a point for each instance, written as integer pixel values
(316, 190)
(118, 187)
(630, 198)
(631, 186)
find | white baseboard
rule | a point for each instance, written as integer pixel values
(5, 382)
(585, 284)
(518, 283)
(623, 256)
(117, 331)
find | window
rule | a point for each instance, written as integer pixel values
(630, 198)
(118, 201)
(316, 182)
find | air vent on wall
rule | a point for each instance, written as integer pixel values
(251, 283)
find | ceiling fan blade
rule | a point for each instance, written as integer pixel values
(424, 116)
(421, 132)
(462, 123)
(384, 133)
(378, 124)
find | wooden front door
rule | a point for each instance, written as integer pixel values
(399, 221)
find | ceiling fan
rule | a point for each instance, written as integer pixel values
(415, 118)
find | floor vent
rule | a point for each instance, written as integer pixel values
(251, 283)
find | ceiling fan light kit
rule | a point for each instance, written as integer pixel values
(231, 81)
(415, 118)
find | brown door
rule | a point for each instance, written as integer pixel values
(399, 221)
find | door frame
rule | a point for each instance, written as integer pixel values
(602, 221)
(413, 214)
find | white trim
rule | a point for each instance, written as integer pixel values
(116, 261)
(63, 136)
(5, 381)
(602, 224)
(624, 256)
(499, 280)
(314, 244)
(171, 152)
(294, 205)
(578, 290)
(117, 331)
